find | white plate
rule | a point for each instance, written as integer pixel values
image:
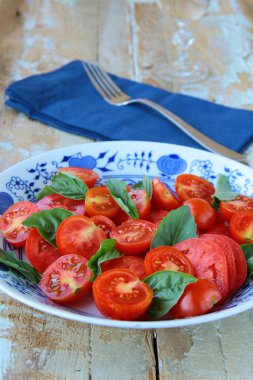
(127, 160)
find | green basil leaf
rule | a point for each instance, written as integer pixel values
(9, 259)
(118, 191)
(67, 185)
(47, 222)
(167, 286)
(249, 267)
(177, 226)
(107, 251)
(146, 184)
(223, 191)
(248, 253)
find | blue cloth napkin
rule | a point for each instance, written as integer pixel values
(66, 99)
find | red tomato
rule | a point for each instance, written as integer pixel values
(133, 237)
(162, 197)
(142, 202)
(198, 298)
(156, 216)
(120, 294)
(106, 224)
(203, 213)
(11, 222)
(167, 258)
(39, 252)
(133, 263)
(86, 175)
(98, 201)
(57, 200)
(208, 260)
(67, 279)
(241, 227)
(191, 186)
(80, 235)
(240, 203)
(121, 217)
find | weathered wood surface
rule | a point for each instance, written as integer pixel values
(125, 36)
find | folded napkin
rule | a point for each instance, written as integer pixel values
(66, 99)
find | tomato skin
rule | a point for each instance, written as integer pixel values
(88, 176)
(241, 227)
(142, 202)
(57, 200)
(156, 216)
(167, 258)
(11, 222)
(133, 263)
(133, 237)
(203, 213)
(106, 224)
(162, 197)
(66, 280)
(198, 298)
(191, 186)
(240, 203)
(78, 234)
(121, 217)
(39, 252)
(120, 294)
(98, 201)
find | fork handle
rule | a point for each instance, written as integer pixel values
(192, 132)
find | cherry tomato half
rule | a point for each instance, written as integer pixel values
(106, 224)
(133, 263)
(167, 258)
(142, 202)
(86, 175)
(198, 298)
(67, 279)
(133, 237)
(240, 203)
(156, 216)
(191, 186)
(203, 213)
(11, 222)
(39, 252)
(57, 200)
(162, 197)
(98, 201)
(80, 235)
(241, 227)
(120, 294)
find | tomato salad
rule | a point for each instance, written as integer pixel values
(145, 252)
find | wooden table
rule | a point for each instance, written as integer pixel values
(125, 37)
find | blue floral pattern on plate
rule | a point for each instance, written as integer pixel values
(129, 161)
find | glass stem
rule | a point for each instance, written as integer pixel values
(182, 39)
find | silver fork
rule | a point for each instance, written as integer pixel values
(115, 96)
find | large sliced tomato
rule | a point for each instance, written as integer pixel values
(86, 175)
(208, 260)
(11, 222)
(163, 198)
(198, 298)
(120, 294)
(240, 203)
(167, 258)
(133, 237)
(241, 227)
(191, 186)
(57, 200)
(133, 263)
(67, 279)
(39, 252)
(80, 235)
(98, 201)
(203, 213)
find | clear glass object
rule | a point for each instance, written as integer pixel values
(181, 67)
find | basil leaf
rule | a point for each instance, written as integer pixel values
(47, 222)
(107, 251)
(167, 286)
(177, 226)
(223, 191)
(248, 253)
(146, 184)
(9, 259)
(118, 191)
(66, 185)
